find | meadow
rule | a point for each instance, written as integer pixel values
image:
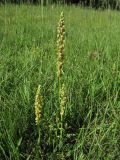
(28, 58)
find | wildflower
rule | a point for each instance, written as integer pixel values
(38, 105)
(60, 45)
(62, 100)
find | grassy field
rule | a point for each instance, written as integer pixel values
(28, 58)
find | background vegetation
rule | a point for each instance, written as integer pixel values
(91, 76)
(114, 4)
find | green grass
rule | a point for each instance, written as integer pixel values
(91, 76)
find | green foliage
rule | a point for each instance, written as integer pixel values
(114, 4)
(91, 76)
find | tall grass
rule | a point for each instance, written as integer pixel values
(91, 76)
